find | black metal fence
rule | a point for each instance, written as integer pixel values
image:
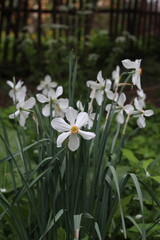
(64, 19)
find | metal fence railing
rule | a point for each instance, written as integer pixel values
(65, 19)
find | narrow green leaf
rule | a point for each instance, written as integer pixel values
(52, 222)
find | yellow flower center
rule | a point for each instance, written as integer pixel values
(140, 71)
(74, 129)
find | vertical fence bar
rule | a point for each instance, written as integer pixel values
(60, 20)
(54, 7)
(123, 15)
(16, 30)
(2, 18)
(149, 23)
(158, 21)
(39, 29)
(117, 18)
(129, 25)
(111, 18)
(155, 19)
(134, 22)
(139, 20)
(80, 21)
(144, 15)
(25, 16)
(67, 22)
(7, 30)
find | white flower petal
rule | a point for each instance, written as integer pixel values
(115, 74)
(45, 91)
(42, 98)
(122, 99)
(120, 117)
(19, 84)
(141, 122)
(59, 91)
(74, 142)
(108, 84)
(100, 78)
(90, 123)
(46, 110)
(129, 64)
(128, 108)
(60, 125)
(93, 85)
(136, 80)
(61, 138)
(82, 119)
(23, 117)
(10, 83)
(53, 84)
(108, 107)
(47, 79)
(99, 97)
(40, 87)
(29, 103)
(110, 95)
(87, 135)
(63, 103)
(138, 104)
(80, 106)
(13, 115)
(141, 94)
(148, 113)
(52, 94)
(138, 63)
(71, 115)
(21, 96)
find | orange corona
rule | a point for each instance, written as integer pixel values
(140, 71)
(74, 129)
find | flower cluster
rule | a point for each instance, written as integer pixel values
(56, 107)
(72, 123)
(109, 88)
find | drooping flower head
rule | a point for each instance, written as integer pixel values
(46, 85)
(138, 71)
(72, 130)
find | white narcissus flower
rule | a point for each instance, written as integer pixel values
(91, 116)
(23, 109)
(116, 76)
(46, 85)
(138, 71)
(121, 108)
(16, 89)
(141, 113)
(73, 129)
(98, 88)
(59, 106)
(141, 97)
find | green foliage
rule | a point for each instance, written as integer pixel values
(96, 192)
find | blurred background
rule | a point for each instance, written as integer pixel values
(36, 37)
